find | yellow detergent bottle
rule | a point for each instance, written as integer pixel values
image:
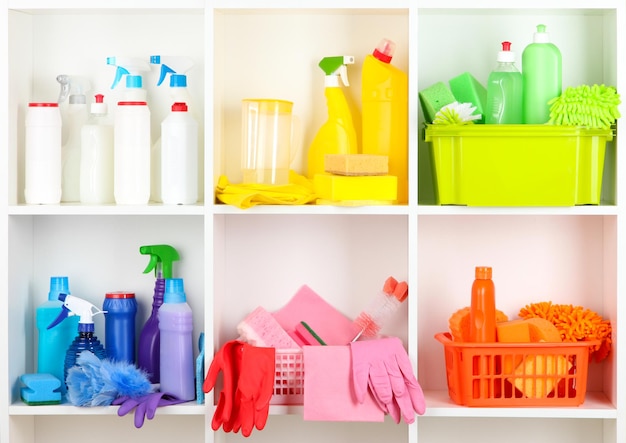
(384, 101)
(337, 134)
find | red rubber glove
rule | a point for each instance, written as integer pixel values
(383, 366)
(228, 361)
(144, 406)
(255, 388)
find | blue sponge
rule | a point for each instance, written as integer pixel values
(40, 389)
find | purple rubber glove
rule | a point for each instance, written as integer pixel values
(144, 406)
(254, 388)
(383, 366)
(228, 361)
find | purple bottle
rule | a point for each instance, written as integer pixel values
(149, 347)
(176, 326)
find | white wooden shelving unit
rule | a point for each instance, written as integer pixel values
(233, 260)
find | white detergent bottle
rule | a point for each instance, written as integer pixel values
(96, 157)
(176, 67)
(131, 134)
(131, 153)
(74, 117)
(179, 157)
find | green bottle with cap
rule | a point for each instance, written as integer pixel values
(541, 77)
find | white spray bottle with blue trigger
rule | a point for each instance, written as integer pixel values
(132, 68)
(74, 116)
(176, 67)
(131, 134)
(85, 340)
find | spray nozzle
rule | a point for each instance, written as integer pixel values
(129, 66)
(77, 306)
(74, 87)
(335, 67)
(161, 259)
(176, 66)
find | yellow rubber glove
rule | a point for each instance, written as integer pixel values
(299, 191)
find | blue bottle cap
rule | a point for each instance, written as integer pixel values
(58, 285)
(134, 81)
(178, 81)
(174, 291)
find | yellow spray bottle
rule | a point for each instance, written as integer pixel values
(337, 134)
(384, 97)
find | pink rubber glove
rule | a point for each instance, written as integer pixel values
(228, 361)
(383, 366)
(254, 388)
(144, 406)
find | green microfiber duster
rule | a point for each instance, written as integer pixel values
(456, 114)
(591, 106)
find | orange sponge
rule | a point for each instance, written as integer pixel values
(459, 323)
(542, 330)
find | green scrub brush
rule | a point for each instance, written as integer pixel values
(456, 114)
(591, 106)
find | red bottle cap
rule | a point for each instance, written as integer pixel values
(120, 294)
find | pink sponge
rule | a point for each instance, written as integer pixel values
(260, 328)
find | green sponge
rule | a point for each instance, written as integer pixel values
(466, 89)
(434, 98)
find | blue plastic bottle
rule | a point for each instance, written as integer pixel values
(176, 326)
(119, 337)
(504, 90)
(53, 343)
(85, 340)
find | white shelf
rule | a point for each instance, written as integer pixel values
(235, 260)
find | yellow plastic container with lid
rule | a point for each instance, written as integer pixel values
(384, 109)
(518, 165)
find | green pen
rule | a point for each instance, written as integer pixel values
(313, 333)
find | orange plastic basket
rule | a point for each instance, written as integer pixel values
(516, 374)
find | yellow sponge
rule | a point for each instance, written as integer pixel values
(356, 164)
(539, 374)
(366, 187)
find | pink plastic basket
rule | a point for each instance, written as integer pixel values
(289, 378)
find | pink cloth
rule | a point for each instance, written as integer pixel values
(328, 323)
(328, 392)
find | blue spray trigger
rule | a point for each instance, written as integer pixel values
(65, 312)
(164, 71)
(119, 73)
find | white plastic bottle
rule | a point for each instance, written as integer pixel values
(74, 117)
(131, 153)
(42, 172)
(179, 157)
(96, 157)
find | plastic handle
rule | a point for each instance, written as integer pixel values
(164, 71)
(119, 73)
(62, 316)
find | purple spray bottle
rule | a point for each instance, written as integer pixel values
(148, 356)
